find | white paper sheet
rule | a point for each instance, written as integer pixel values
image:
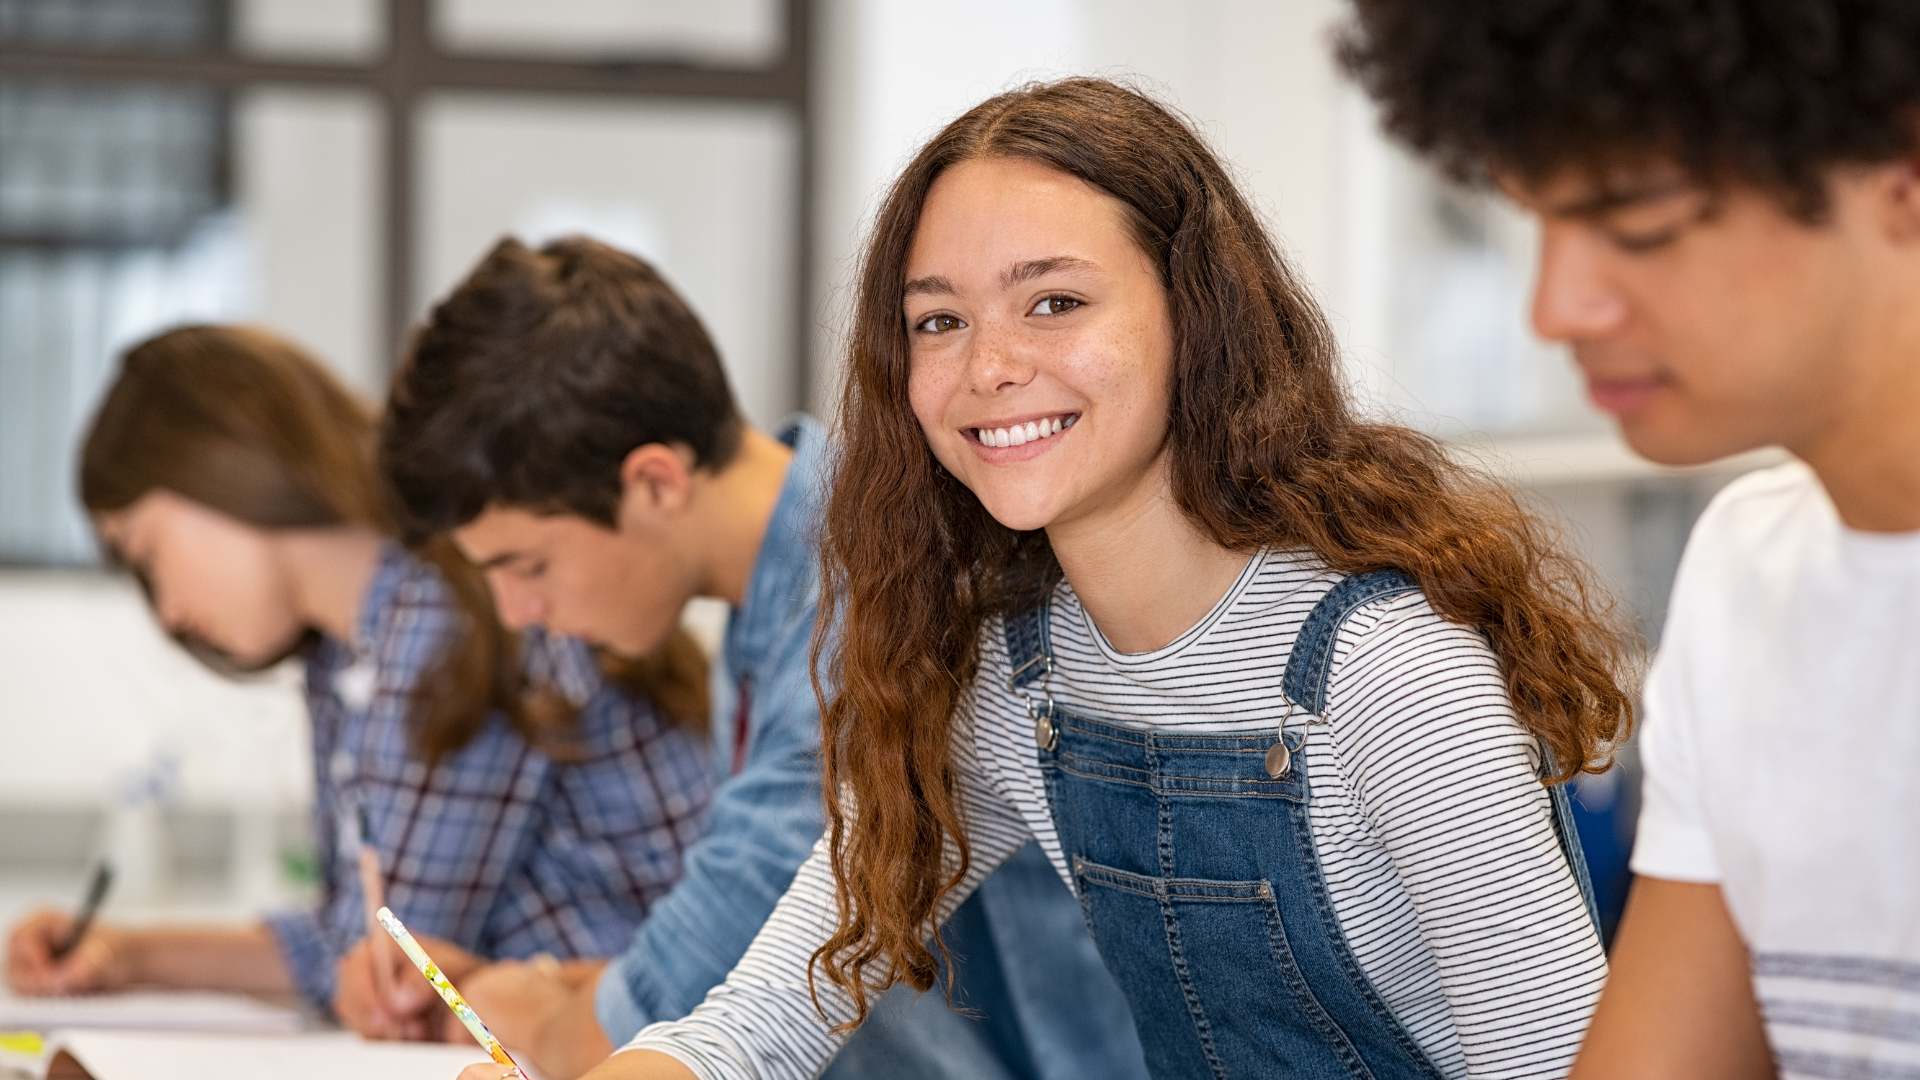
(131, 1055)
(170, 1011)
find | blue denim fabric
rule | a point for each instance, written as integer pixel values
(1013, 939)
(1199, 880)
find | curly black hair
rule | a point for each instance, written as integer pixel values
(1767, 93)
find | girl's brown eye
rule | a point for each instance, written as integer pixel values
(939, 324)
(1054, 305)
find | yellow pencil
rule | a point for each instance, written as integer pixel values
(444, 986)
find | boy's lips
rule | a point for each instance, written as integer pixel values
(1623, 395)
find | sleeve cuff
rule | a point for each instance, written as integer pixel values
(704, 1057)
(309, 959)
(615, 1006)
(1674, 852)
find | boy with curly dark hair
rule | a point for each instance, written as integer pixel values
(1729, 200)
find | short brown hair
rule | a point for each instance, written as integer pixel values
(534, 379)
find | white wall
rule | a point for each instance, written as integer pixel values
(92, 694)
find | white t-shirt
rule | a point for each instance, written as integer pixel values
(1782, 750)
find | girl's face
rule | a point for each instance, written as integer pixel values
(1041, 345)
(210, 577)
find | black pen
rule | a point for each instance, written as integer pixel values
(89, 907)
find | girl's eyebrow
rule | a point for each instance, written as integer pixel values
(1023, 271)
(931, 285)
(1033, 268)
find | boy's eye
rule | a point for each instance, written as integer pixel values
(1654, 224)
(938, 324)
(1054, 305)
(1640, 243)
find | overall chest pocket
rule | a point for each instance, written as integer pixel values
(1215, 986)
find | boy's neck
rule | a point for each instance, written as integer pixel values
(1869, 460)
(739, 502)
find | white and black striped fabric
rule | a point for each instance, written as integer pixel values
(1434, 835)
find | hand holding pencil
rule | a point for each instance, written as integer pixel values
(445, 988)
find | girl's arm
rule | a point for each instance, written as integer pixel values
(633, 1065)
(1445, 778)
(236, 958)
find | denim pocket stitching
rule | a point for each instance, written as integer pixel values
(1196, 1012)
(1236, 786)
(1349, 964)
(1137, 778)
(1202, 890)
(1282, 952)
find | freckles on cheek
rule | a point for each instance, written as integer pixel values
(928, 404)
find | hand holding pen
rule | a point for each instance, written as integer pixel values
(53, 952)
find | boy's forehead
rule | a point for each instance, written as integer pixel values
(1589, 190)
(497, 532)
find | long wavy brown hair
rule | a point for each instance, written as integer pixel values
(1265, 448)
(249, 424)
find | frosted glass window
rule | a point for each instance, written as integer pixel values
(128, 209)
(740, 32)
(706, 192)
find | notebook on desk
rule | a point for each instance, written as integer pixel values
(171, 1011)
(145, 1055)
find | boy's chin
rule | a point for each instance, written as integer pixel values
(1680, 448)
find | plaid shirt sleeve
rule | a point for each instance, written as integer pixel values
(489, 849)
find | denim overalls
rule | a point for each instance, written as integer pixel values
(1194, 861)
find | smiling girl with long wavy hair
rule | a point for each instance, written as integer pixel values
(1283, 693)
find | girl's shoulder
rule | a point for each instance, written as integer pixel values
(408, 602)
(564, 665)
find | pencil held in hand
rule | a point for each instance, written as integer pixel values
(444, 986)
(373, 894)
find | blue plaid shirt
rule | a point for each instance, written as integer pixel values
(499, 848)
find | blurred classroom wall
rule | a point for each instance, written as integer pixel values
(106, 236)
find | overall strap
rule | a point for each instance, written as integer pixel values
(1029, 645)
(1312, 657)
(1306, 686)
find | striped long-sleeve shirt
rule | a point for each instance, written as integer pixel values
(1433, 833)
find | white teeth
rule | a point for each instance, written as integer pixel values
(1021, 434)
